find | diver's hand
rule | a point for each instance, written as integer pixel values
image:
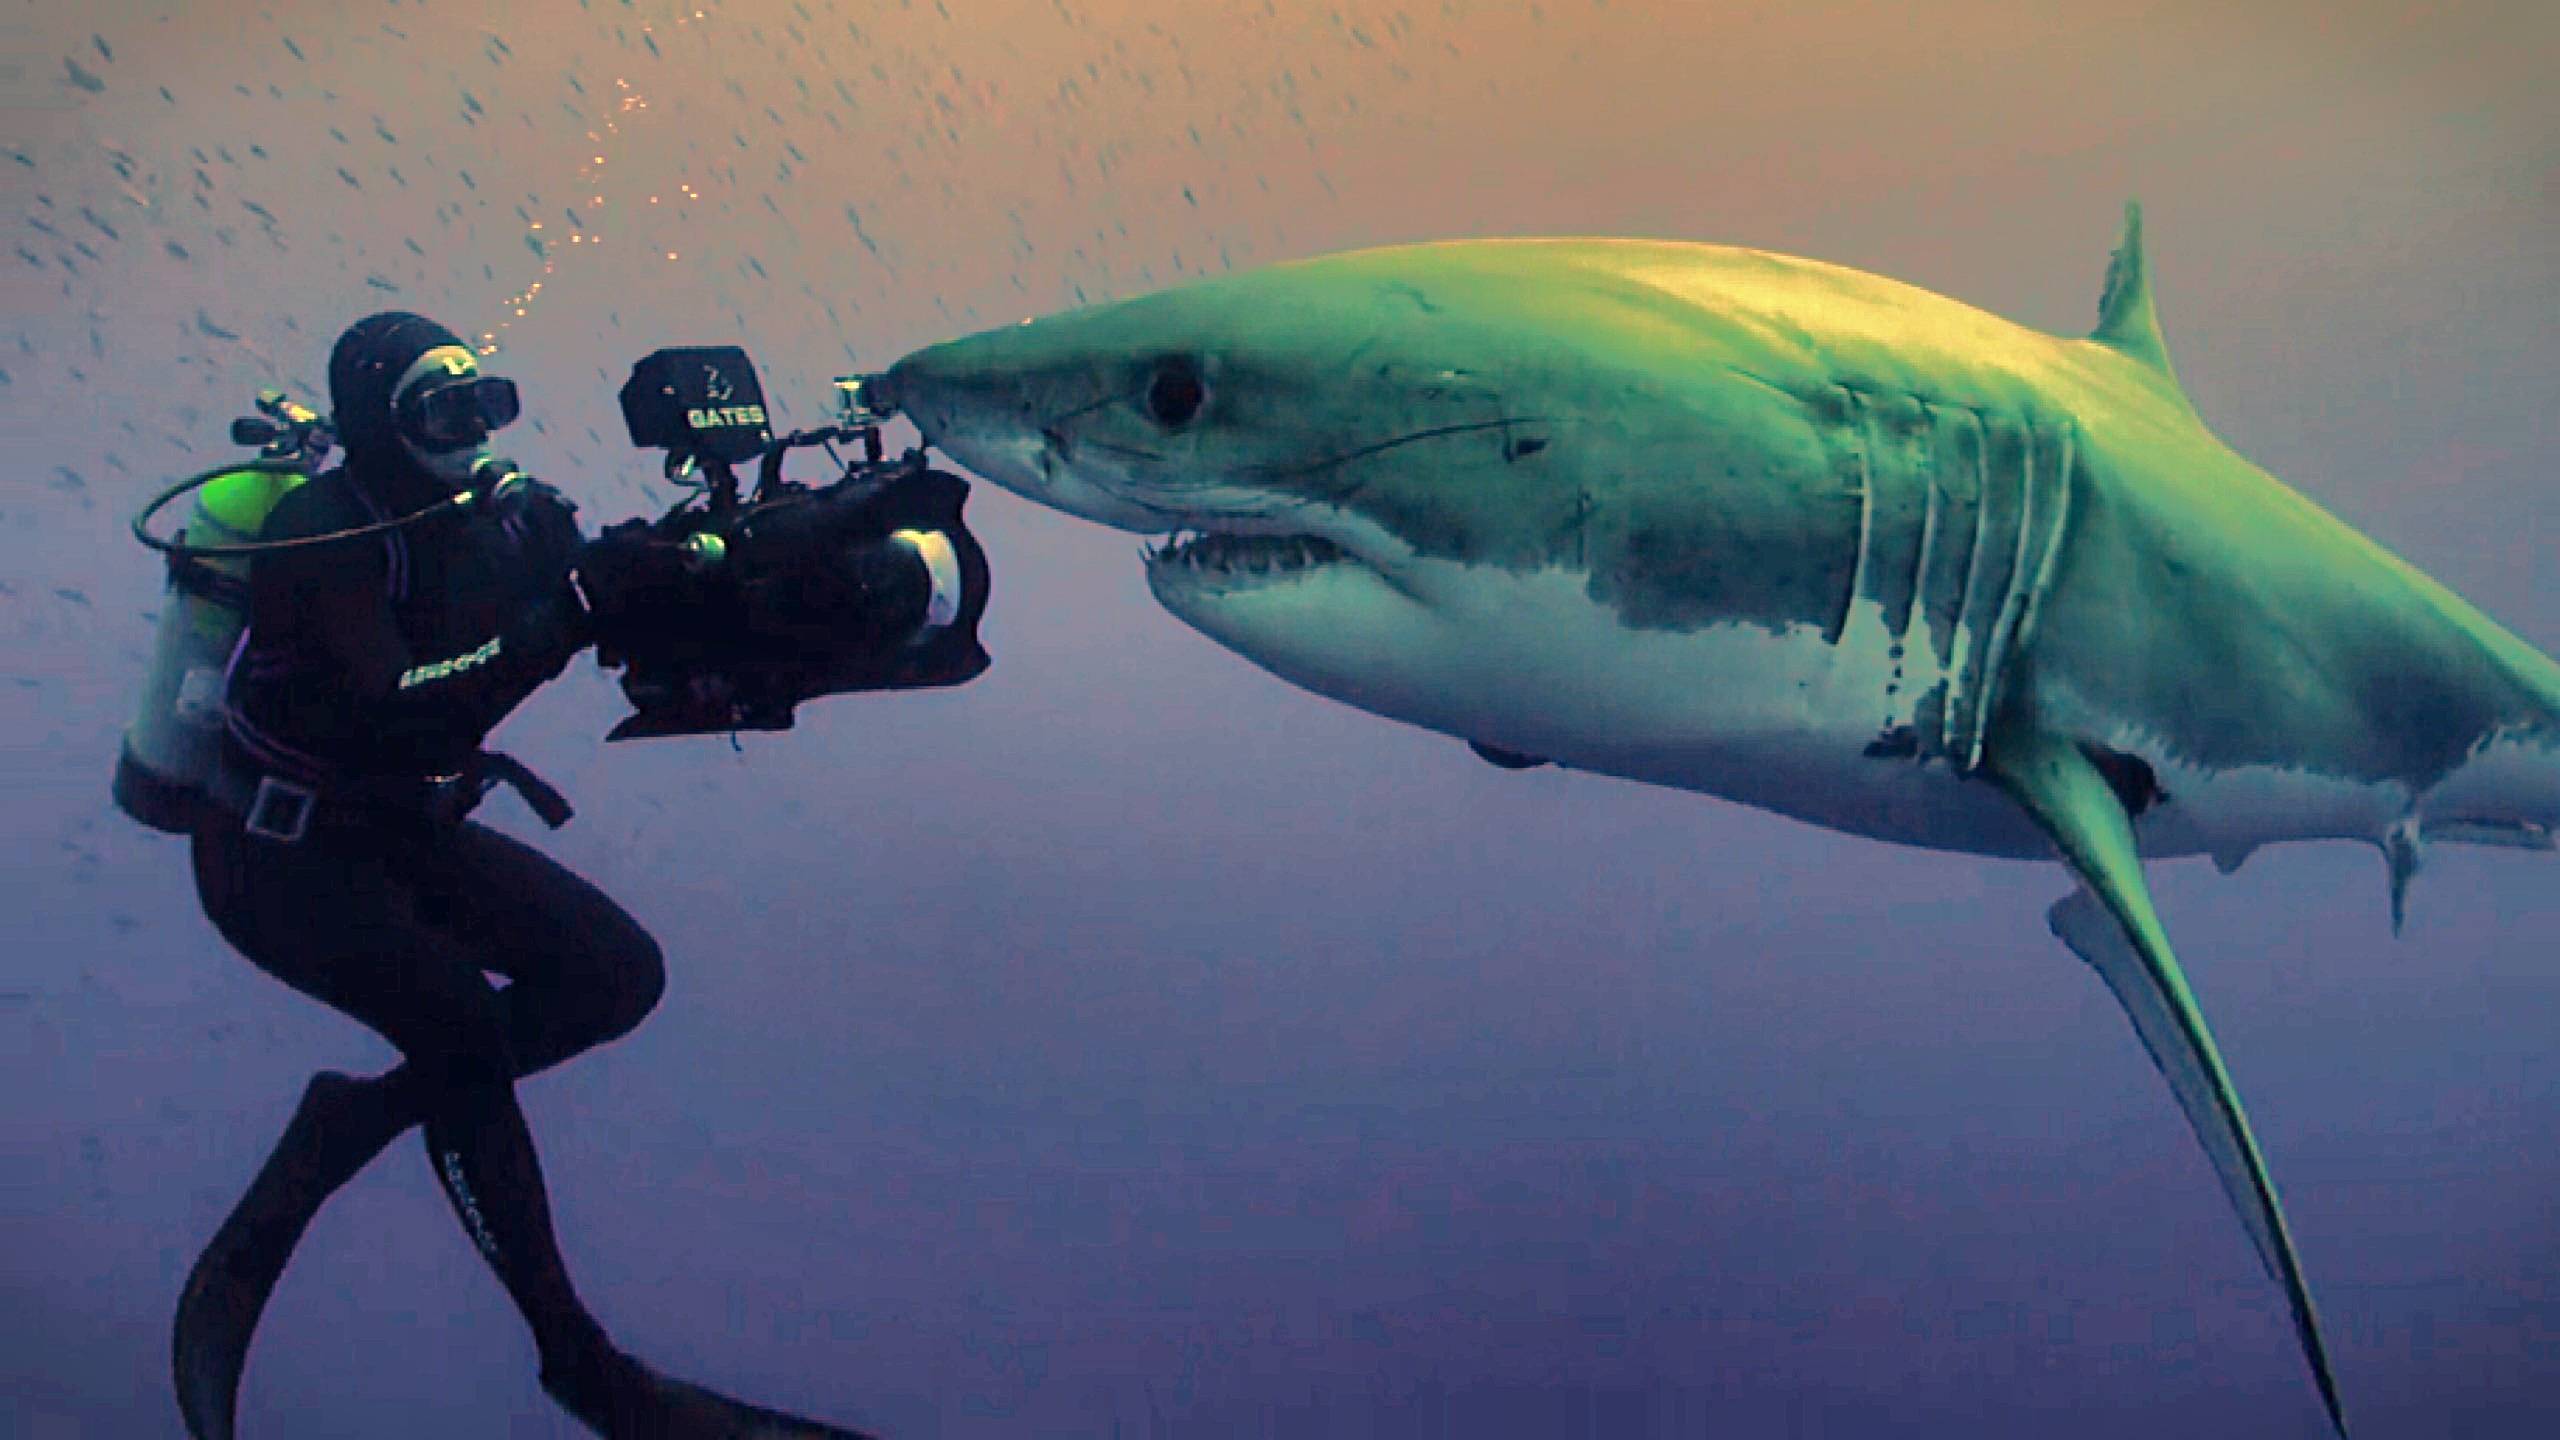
(625, 577)
(549, 520)
(542, 638)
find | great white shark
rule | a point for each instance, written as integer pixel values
(1797, 536)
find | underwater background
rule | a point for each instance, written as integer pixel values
(1130, 1044)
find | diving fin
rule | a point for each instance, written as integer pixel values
(2109, 922)
(619, 1398)
(335, 1132)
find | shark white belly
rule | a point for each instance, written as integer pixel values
(1530, 663)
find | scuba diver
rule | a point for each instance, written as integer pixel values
(397, 609)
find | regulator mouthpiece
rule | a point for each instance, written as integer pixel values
(497, 480)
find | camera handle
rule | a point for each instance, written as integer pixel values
(769, 481)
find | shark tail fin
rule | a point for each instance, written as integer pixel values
(2110, 923)
(2128, 323)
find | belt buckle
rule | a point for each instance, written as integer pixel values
(450, 798)
(281, 810)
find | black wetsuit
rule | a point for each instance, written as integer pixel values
(370, 665)
(397, 654)
(339, 858)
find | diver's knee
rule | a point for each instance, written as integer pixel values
(638, 982)
(483, 1057)
(464, 1046)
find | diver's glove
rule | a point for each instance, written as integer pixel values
(634, 587)
(539, 640)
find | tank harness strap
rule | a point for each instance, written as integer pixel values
(488, 770)
(195, 577)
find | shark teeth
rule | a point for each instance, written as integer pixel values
(1210, 552)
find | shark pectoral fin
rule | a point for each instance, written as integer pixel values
(2092, 930)
(2110, 923)
(1507, 759)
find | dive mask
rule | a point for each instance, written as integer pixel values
(457, 412)
(445, 403)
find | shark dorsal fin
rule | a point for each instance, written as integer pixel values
(2127, 323)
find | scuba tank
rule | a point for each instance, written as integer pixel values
(170, 749)
(174, 743)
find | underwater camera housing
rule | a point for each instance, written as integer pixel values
(735, 606)
(701, 401)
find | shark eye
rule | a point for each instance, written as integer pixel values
(1175, 395)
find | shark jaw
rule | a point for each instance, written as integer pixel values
(1205, 552)
(1231, 583)
(1220, 562)
(1266, 590)
(1259, 579)
(1317, 594)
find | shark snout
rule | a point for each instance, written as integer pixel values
(981, 418)
(1015, 428)
(946, 396)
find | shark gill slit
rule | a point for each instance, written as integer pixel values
(1914, 629)
(1986, 590)
(1923, 671)
(1960, 643)
(1866, 535)
(1995, 649)
(2044, 498)
(1879, 519)
(1900, 514)
(2049, 545)
(1920, 554)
